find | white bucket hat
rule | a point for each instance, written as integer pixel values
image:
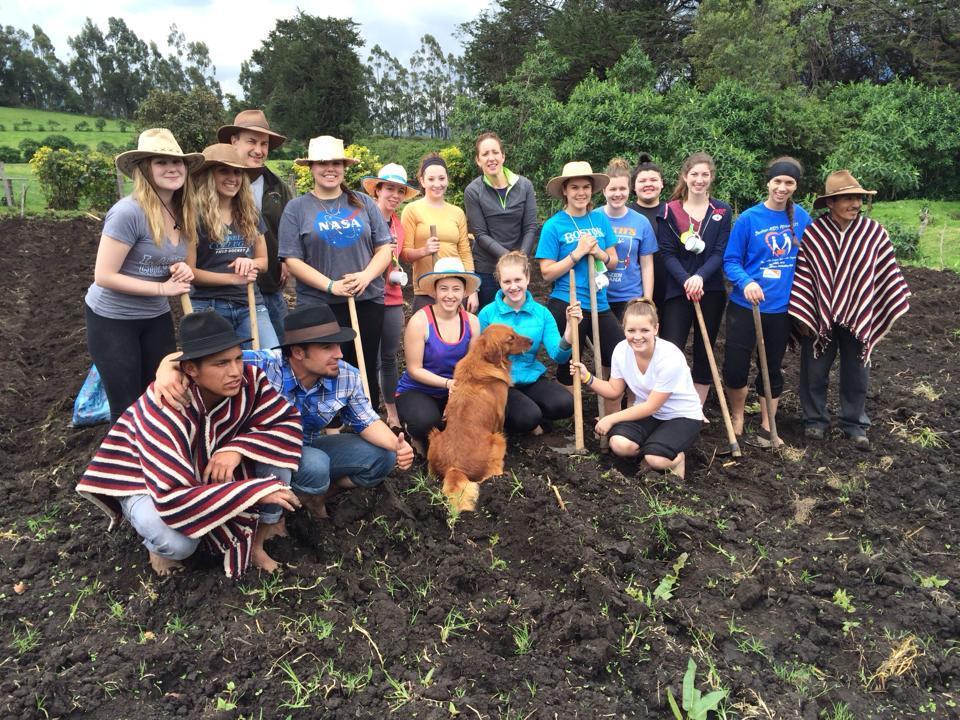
(449, 267)
(155, 142)
(324, 149)
(392, 173)
(575, 169)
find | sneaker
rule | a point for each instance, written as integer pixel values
(812, 432)
(860, 442)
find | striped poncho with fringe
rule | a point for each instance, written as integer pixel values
(156, 450)
(849, 278)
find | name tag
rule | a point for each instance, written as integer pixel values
(771, 273)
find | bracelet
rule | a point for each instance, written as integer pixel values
(446, 384)
(573, 260)
(330, 287)
(588, 379)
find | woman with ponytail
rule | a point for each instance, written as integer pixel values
(647, 183)
(759, 263)
(140, 263)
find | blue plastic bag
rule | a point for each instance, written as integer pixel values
(91, 406)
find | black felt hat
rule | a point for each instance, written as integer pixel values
(314, 324)
(206, 333)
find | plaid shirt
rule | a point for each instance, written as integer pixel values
(319, 404)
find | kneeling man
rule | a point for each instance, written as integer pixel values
(216, 467)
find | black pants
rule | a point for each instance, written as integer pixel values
(679, 315)
(420, 413)
(854, 382)
(127, 354)
(528, 405)
(370, 320)
(740, 346)
(611, 333)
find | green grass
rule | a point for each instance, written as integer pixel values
(111, 133)
(944, 219)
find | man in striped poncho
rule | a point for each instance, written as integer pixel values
(847, 293)
(218, 469)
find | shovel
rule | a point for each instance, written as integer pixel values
(577, 396)
(597, 360)
(775, 440)
(721, 396)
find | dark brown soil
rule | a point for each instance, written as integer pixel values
(393, 606)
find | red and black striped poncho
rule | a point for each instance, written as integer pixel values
(156, 450)
(848, 278)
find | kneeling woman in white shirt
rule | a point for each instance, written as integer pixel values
(666, 417)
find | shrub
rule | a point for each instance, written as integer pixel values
(66, 176)
(100, 123)
(28, 147)
(458, 173)
(82, 126)
(3, 128)
(106, 148)
(906, 241)
(369, 165)
(123, 125)
(9, 154)
(58, 142)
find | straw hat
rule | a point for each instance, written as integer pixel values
(226, 155)
(841, 182)
(324, 149)
(155, 142)
(392, 173)
(449, 267)
(575, 169)
(255, 121)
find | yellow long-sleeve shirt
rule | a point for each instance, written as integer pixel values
(417, 217)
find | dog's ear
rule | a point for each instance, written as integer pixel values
(491, 348)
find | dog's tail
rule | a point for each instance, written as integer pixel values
(461, 492)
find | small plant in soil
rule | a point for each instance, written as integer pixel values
(843, 600)
(455, 625)
(27, 639)
(522, 640)
(42, 526)
(696, 704)
(664, 591)
(932, 581)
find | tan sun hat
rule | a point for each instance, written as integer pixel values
(155, 142)
(841, 182)
(324, 149)
(449, 267)
(391, 173)
(255, 121)
(227, 155)
(575, 169)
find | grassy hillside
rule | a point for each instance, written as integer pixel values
(944, 224)
(63, 124)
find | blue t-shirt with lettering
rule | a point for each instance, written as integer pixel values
(559, 238)
(635, 238)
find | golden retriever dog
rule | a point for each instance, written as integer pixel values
(470, 448)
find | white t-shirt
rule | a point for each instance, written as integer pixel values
(257, 187)
(667, 373)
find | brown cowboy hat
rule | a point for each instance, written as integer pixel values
(226, 155)
(155, 142)
(255, 121)
(841, 182)
(577, 168)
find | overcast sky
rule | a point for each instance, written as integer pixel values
(232, 29)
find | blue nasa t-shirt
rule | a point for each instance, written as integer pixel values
(762, 249)
(559, 237)
(334, 237)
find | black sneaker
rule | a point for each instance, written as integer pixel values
(860, 442)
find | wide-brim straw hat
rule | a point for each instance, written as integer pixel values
(206, 333)
(392, 173)
(449, 267)
(841, 182)
(226, 155)
(255, 121)
(575, 169)
(155, 142)
(325, 149)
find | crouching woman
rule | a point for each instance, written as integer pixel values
(666, 417)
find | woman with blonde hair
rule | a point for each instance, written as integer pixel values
(140, 263)
(231, 250)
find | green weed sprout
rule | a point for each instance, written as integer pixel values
(695, 703)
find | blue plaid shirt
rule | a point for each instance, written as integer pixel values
(319, 404)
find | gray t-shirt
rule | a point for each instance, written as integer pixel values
(335, 238)
(216, 257)
(127, 223)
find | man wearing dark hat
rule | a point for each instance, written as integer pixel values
(847, 292)
(216, 467)
(309, 371)
(250, 133)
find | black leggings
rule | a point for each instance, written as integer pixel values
(528, 405)
(127, 354)
(740, 345)
(370, 320)
(420, 413)
(678, 316)
(611, 333)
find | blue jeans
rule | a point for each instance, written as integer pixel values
(487, 291)
(239, 316)
(277, 309)
(331, 457)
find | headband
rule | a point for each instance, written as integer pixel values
(434, 160)
(784, 167)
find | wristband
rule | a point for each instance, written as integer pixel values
(592, 378)
(573, 260)
(330, 288)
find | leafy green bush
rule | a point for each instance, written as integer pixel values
(28, 146)
(369, 165)
(906, 241)
(82, 126)
(67, 176)
(9, 154)
(58, 142)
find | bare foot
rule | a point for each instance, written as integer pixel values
(164, 566)
(260, 559)
(315, 505)
(277, 529)
(681, 467)
(537, 431)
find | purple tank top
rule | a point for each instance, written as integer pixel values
(439, 356)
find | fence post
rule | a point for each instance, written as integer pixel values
(8, 192)
(23, 199)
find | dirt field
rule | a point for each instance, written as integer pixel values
(820, 582)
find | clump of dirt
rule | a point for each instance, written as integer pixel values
(802, 582)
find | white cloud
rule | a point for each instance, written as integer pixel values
(232, 30)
